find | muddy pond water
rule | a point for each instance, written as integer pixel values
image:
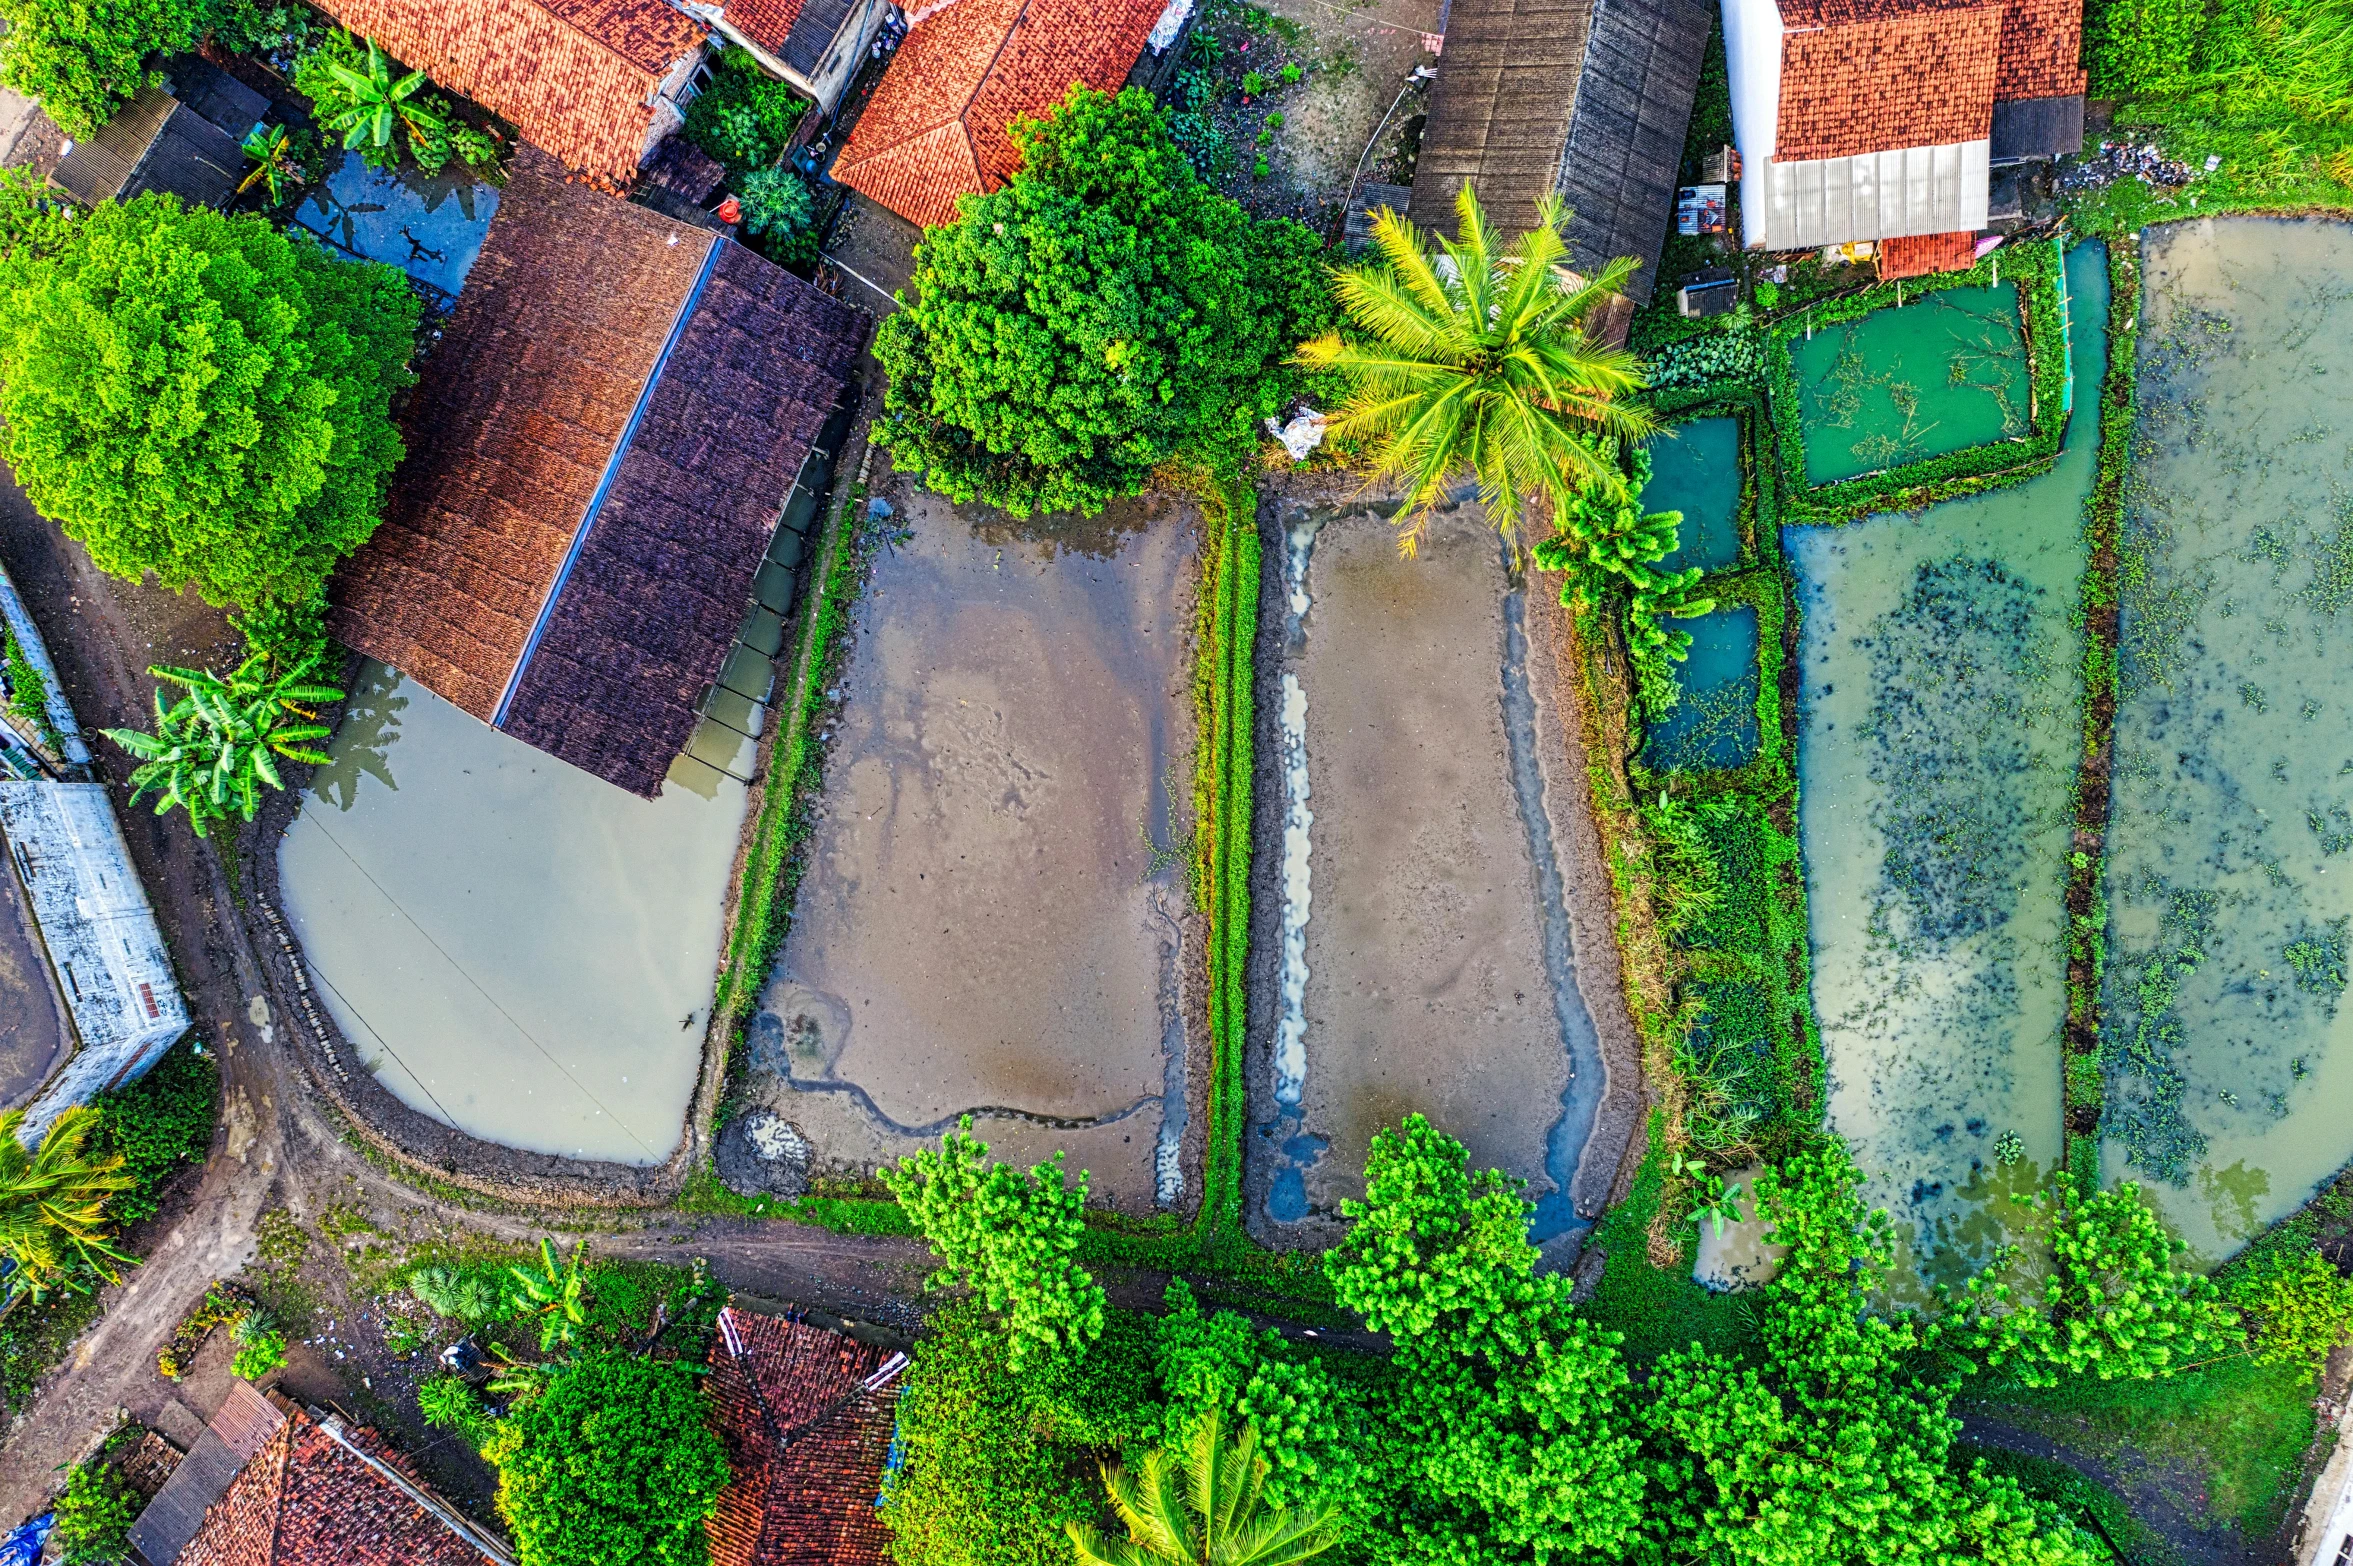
(2230, 886)
(1714, 720)
(513, 947)
(990, 922)
(1945, 371)
(1940, 721)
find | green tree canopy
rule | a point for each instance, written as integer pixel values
(614, 1461)
(1101, 313)
(203, 397)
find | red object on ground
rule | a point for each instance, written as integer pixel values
(731, 211)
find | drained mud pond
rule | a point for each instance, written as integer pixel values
(1940, 726)
(512, 946)
(2228, 1054)
(993, 920)
(1416, 947)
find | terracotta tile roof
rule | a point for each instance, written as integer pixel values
(1920, 79)
(512, 434)
(576, 77)
(2041, 42)
(938, 126)
(307, 1499)
(807, 1416)
(768, 23)
(1921, 254)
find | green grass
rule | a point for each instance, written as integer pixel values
(1656, 1309)
(2082, 1500)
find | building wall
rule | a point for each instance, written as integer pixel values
(1752, 51)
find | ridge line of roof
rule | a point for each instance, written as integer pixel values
(956, 118)
(604, 484)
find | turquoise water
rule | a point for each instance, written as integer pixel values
(1939, 728)
(1695, 469)
(1944, 372)
(1715, 722)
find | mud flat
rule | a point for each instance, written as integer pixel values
(2228, 1053)
(1940, 726)
(1416, 952)
(512, 946)
(984, 927)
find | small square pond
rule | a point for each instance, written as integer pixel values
(1715, 722)
(1695, 469)
(1945, 372)
(429, 225)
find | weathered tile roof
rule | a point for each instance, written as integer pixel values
(2041, 41)
(582, 315)
(307, 1498)
(576, 77)
(938, 126)
(1920, 254)
(807, 1417)
(1922, 79)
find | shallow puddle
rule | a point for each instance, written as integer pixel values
(1714, 724)
(1940, 724)
(1945, 371)
(2230, 886)
(1695, 469)
(428, 225)
(512, 946)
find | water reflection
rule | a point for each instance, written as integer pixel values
(428, 225)
(370, 727)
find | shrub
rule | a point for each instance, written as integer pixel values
(2300, 1306)
(94, 1516)
(746, 117)
(1291, 74)
(474, 1296)
(1098, 315)
(261, 1346)
(448, 1403)
(203, 397)
(1252, 84)
(779, 212)
(85, 60)
(615, 1461)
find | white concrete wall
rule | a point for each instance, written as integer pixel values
(1752, 51)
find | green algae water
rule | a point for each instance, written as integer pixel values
(1940, 723)
(1695, 469)
(1714, 724)
(2228, 1056)
(1946, 371)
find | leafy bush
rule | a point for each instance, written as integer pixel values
(615, 1461)
(779, 212)
(261, 1346)
(1704, 360)
(1100, 314)
(1011, 1238)
(26, 693)
(746, 117)
(285, 633)
(448, 1403)
(2299, 1305)
(94, 1516)
(84, 61)
(203, 397)
(475, 1296)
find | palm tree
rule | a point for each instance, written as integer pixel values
(552, 1294)
(378, 103)
(213, 749)
(53, 1201)
(272, 152)
(1205, 1506)
(1477, 360)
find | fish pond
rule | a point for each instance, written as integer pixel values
(1714, 720)
(512, 946)
(1945, 371)
(1695, 469)
(1940, 724)
(2228, 1055)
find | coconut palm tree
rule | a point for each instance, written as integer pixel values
(1476, 359)
(53, 1201)
(1204, 1506)
(213, 749)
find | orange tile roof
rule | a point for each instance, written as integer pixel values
(807, 1417)
(2041, 42)
(1921, 79)
(939, 126)
(1920, 254)
(576, 77)
(767, 23)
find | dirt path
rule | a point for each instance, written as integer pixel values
(2194, 1546)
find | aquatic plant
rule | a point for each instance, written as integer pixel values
(2145, 1102)
(214, 749)
(1474, 359)
(1704, 360)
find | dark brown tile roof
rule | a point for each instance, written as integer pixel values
(807, 1417)
(307, 1498)
(513, 433)
(1921, 254)
(1924, 78)
(576, 77)
(938, 126)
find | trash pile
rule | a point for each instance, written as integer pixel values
(2126, 160)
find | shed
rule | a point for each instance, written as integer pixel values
(186, 138)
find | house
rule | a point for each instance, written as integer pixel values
(185, 136)
(597, 458)
(817, 45)
(268, 1484)
(1882, 119)
(1587, 99)
(807, 1417)
(938, 127)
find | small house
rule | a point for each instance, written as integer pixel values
(598, 457)
(1873, 120)
(939, 125)
(807, 1417)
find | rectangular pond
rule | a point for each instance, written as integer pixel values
(1940, 723)
(1695, 469)
(2229, 1055)
(514, 947)
(1714, 724)
(1945, 371)
(428, 225)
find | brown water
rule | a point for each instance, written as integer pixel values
(513, 946)
(2230, 1057)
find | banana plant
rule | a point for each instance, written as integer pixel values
(552, 1292)
(274, 164)
(214, 748)
(380, 104)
